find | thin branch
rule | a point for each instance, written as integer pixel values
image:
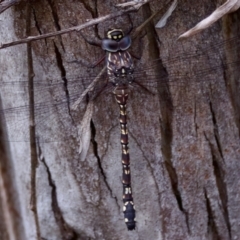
(77, 28)
(135, 3)
(7, 4)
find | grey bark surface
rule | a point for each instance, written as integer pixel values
(183, 140)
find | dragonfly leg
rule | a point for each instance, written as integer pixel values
(81, 62)
(134, 56)
(94, 42)
(87, 64)
(131, 27)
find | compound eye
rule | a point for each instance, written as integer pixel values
(125, 43)
(109, 45)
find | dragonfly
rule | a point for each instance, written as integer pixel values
(120, 78)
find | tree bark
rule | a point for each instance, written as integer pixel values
(183, 139)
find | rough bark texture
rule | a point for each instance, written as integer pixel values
(184, 139)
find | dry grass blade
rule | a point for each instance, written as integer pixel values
(228, 7)
(162, 22)
(84, 132)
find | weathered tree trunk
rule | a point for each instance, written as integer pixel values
(184, 139)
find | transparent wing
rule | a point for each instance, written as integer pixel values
(54, 97)
(52, 107)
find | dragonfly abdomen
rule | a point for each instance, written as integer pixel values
(121, 96)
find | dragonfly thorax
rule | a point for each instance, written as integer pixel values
(120, 68)
(123, 72)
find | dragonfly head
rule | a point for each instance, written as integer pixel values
(115, 34)
(116, 41)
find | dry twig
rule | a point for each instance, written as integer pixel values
(77, 28)
(7, 4)
(136, 4)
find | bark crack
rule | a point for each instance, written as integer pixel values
(95, 150)
(32, 130)
(174, 183)
(37, 25)
(56, 20)
(66, 231)
(63, 76)
(149, 166)
(195, 118)
(54, 14)
(91, 6)
(211, 223)
(36, 22)
(166, 109)
(216, 132)
(220, 184)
